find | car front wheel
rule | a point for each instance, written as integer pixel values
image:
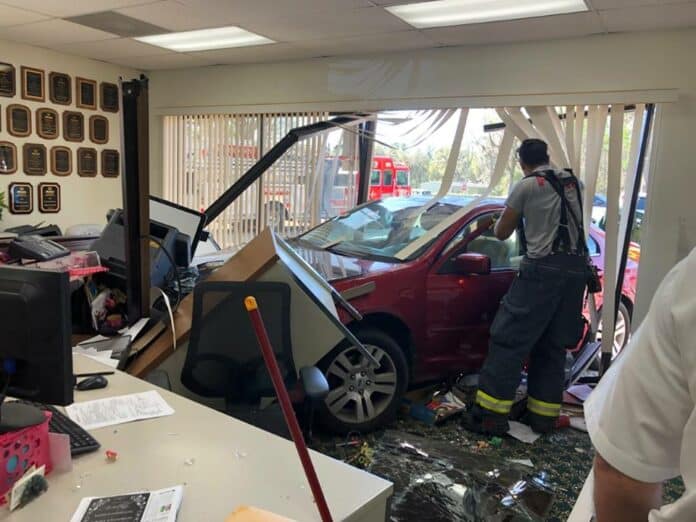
(361, 397)
(622, 331)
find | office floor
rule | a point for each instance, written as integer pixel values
(565, 455)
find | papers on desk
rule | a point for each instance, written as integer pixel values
(147, 506)
(103, 357)
(133, 332)
(119, 410)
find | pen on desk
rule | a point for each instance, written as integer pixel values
(94, 374)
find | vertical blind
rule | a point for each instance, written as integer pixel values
(203, 155)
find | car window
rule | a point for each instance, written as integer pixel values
(593, 246)
(374, 177)
(387, 180)
(504, 255)
(401, 178)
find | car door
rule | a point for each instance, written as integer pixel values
(461, 307)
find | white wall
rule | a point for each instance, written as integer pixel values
(538, 72)
(84, 200)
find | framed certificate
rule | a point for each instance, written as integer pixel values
(98, 129)
(73, 126)
(21, 198)
(110, 163)
(18, 120)
(49, 198)
(8, 157)
(35, 160)
(7, 80)
(60, 88)
(61, 161)
(86, 92)
(108, 99)
(47, 124)
(86, 162)
(33, 85)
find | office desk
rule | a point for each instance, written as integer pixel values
(222, 463)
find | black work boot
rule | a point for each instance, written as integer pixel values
(540, 423)
(480, 421)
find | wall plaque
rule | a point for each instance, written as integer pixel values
(18, 120)
(33, 87)
(110, 163)
(109, 97)
(8, 157)
(35, 160)
(47, 124)
(7, 80)
(60, 88)
(86, 93)
(61, 161)
(73, 126)
(86, 162)
(21, 198)
(99, 129)
(49, 198)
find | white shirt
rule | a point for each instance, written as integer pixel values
(642, 418)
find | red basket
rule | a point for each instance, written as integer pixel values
(19, 451)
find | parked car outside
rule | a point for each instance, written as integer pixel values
(425, 317)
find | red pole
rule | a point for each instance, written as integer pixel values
(286, 405)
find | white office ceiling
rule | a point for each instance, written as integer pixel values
(304, 28)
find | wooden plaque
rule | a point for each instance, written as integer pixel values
(111, 162)
(35, 161)
(21, 198)
(86, 162)
(61, 161)
(73, 126)
(99, 129)
(7, 80)
(33, 84)
(47, 124)
(86, 93)
(60, 88)
(8, 157)
(49, 198)
(18, 120)
(108, 99)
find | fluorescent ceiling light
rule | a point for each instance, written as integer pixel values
(442, 13)
(205, 39)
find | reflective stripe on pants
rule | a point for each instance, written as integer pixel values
(487, 402)
(544, 409)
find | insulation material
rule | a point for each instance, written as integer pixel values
(453, 157)
(596, 128)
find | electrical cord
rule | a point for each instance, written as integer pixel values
(176, 271)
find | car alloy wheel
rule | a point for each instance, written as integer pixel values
(622, 332)
(359, 392)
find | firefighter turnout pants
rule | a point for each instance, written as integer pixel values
(539, 318)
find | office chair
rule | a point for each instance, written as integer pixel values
(224, 359)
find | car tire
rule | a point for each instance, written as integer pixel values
(624, 320)
(361, 398)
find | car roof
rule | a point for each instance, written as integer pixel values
(458, 201)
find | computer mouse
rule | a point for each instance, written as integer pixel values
(92, 383)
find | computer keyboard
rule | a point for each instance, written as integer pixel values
(80, 441)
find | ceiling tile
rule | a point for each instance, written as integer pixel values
(175, 16)
(298, 26)
(398, 2)
(544, 28)
(112, 48)
(649, 18)
(169, 60)
(53, 32)
(255, 54)
(599, 5)
(274, 7)
(63, 8)
(371, 44)
(14, 16)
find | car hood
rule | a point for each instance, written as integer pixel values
(334, 267)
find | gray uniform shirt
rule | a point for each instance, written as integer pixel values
(540, 207)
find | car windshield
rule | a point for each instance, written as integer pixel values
(381, 229)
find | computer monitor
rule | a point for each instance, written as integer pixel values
(35, 347)
(186, 220)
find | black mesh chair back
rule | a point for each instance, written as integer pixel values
(224, 359)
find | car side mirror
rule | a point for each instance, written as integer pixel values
(472, 264)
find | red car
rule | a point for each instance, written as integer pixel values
(426, 314)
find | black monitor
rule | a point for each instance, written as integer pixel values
(35, 348)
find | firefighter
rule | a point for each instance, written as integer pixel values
(541, 315)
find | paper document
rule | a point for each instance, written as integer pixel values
(146, 506)
(133, 332)
(119, 410)
(522, 432)
(103, 357)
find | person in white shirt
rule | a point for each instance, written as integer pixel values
(642, 415)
